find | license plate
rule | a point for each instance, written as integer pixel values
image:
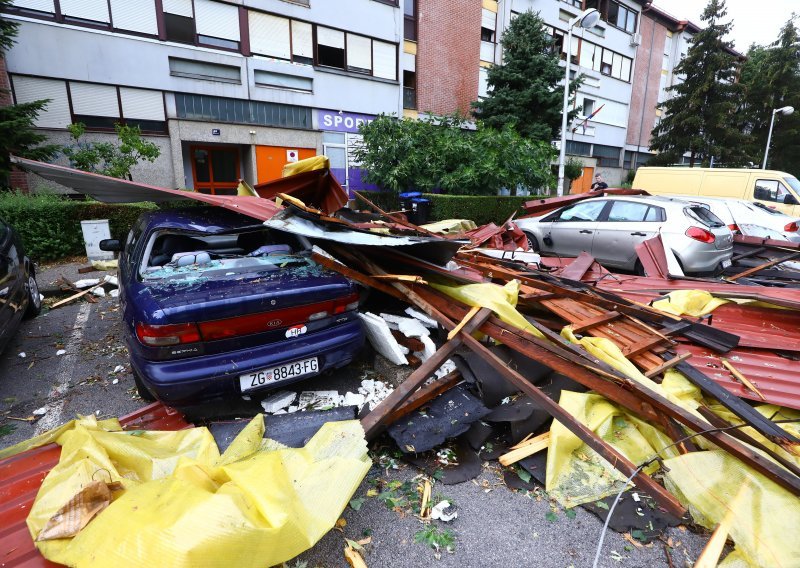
(258, 379)
(726, 263)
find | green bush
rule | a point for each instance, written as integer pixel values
(50, 225)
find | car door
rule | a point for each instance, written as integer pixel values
(571, 230)
(621, 228)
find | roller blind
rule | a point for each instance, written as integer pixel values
(385, 64)
(359, 52)
(178, 7)
(216, 19)
(301, 39)
(56, 113)
(96, 10)
(94, 100)
(329, 37)
(41, 5)
(488, 19)
(135, 15)
(142, 104)
(269, 35)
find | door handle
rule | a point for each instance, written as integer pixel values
(585, 232)
(638, 234)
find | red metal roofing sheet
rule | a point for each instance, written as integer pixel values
(21, 476)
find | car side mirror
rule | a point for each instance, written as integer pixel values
(111, 245)
(789, 199)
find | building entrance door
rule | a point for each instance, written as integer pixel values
(215, 169)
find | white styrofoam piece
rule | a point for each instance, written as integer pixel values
(380, 336)
(311, 400)
(426, 320)
(99, 292)
(278, 401)
(114, 293)
(353, 399)
(519, 254)
(86, 282)
(111, 280)
(447, 367)
(413, 328)
(430, 348)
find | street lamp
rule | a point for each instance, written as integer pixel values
(587, 19)
(785, 111)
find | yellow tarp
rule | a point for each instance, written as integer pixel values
(695, 303)
(184, 505)
(450, 226)
(307, 165)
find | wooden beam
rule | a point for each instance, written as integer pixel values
(646, 344)
(595, 321)
(755, 269)
(526, 449)
(742, 379)
(470, 314)
(425, 394)
(666, 365)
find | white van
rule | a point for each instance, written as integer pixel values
(774, 189)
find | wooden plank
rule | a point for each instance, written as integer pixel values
(755, 269)
(457, 329)
(666, 365)
(604, 318)
(742, 379)
(75, 296)
(425, 394)
(578, 267)
(528, 448)
(644, 345)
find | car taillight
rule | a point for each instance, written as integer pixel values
(699, 234)
(171, 334)
(792, 227)
(346, 304)
(733, 227)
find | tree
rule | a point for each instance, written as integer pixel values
(17, 133)
(441, 154)
(526, 91)
(699, 117)
(107, 158)
(771, 79)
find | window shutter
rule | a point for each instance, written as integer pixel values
(94, 100)
(142, 104)
(385, 65)
(488, 19)
(215, 19)
(359, 52)
(56, 113)
(269, 35)
(329, 37)
(178, 7)
(483, 82)
(135, 15)
(96, 10)
(41, 5)
(301, 39)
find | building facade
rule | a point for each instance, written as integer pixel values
(227, 90)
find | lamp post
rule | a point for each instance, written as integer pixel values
(785, 111)
(587, 19)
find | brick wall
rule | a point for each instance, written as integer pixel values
(18, 179)
(448, 55)
(646, 82)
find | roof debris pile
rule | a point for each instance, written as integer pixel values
(622, 390)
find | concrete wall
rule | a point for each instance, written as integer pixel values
(448, 55)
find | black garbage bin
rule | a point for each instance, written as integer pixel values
(406, 202)
(420, 210)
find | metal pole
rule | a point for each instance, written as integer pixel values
(564, 113)
(769, 139)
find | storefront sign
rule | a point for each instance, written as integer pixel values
(342, 121)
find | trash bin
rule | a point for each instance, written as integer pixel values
(420, 210)
(406, 202)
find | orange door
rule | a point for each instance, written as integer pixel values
(215, 169)
(271, 159)
(583, 183)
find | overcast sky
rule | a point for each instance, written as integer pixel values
(753, 21)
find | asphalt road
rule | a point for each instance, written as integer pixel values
(496, 526)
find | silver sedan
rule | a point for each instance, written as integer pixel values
(610, 228)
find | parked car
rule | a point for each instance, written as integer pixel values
(610, 228)
(215, 305)
(751, 217)
(19, 293)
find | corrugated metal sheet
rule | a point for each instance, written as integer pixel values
(22, 475)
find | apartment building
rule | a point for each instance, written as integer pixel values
(227, 89)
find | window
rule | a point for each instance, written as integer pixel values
(56, 114)
(302, 43)
(143, 108)
(628, 211)
(359, 54)
(179, 20)
(487, 35)
(615, 13)
(270, 35)
(219, 109)
(204, 71)
(330, 47)
(85, 11)
(410, 20)
(588, 106)
(96, 106)
(217, 24)
(488, 25)
(770, 190)
(578, 148)
(409, 89)
(586, 211)
(283, 81)
(35, 5)
(607, 156)
(135, 16)
(385, 60)
(605, 61)
(483, 82)
(703, 215)
(635, 160)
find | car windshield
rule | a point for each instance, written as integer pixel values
(189, 257)
(793, 183)
(704, 216)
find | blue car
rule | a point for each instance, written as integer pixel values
(215, 305)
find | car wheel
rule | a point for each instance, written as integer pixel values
(141, 389)
(34, 298)
(533, 244)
